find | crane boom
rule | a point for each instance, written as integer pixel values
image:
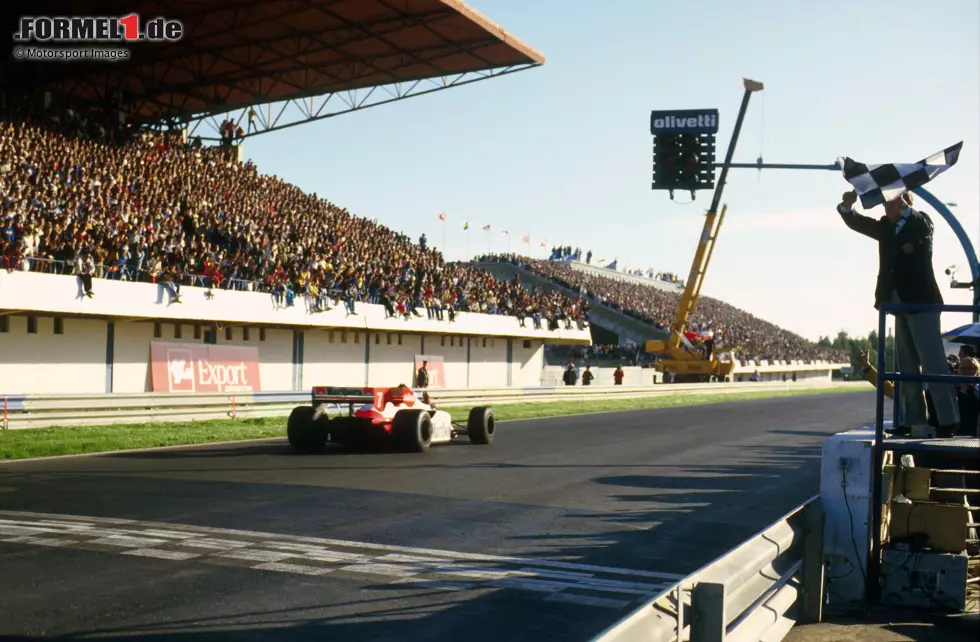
(678, 356)
(692, 289)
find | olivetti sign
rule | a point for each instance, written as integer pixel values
(684, 121)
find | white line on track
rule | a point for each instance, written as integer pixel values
(161, 554)
(282, 567)
(327, 542)
(587, 600)
(409, 567)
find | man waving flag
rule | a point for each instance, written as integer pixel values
(877, 184)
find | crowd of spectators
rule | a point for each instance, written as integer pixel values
(152, 207)
(565, 253)
(734, 331)
(626, 354)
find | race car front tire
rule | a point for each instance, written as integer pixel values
(412, 430)
(481, 425)
(304, 434)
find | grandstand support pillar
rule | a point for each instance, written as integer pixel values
(298, 348)
(367, 358)
(469, 342)
(110, 353)
(510, 362)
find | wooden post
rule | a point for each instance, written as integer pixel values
(708, 612)
(813, 568)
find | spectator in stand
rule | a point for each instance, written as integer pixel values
(618, 375)
(968, 397)
(85, 266)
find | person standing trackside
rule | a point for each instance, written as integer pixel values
(422, 377)
(587, 376)
(570, 376)
(905, 275)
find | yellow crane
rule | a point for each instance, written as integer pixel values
(676, 355)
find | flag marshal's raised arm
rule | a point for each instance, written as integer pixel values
(857, 222)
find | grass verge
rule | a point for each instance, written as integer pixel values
(48, 442)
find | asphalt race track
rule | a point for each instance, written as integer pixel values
(552, 533)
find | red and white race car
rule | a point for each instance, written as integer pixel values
(391, 418)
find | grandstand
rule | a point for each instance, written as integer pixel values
(101, 185)
(746, 336)
(202, 232)
(105, 185)
(186, 227)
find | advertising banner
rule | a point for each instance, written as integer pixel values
(195, 367)
(434, 366)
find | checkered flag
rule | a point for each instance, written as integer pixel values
(877, 184)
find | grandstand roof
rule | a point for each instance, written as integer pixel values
(236, 53)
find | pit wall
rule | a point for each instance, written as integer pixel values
(99, 356)
(54, 341)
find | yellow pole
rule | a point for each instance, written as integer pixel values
(690, 296)
(707, 260)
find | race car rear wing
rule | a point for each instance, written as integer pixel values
(340, 396)
(348, 396)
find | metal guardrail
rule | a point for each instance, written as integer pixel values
(37, 411)
(756, 591)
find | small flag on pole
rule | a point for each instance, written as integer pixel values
(877, 184)
(526, 239)
(486, 228)
(506, 232)
(442, 217)
(466, 225)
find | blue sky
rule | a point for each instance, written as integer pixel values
(563, 152)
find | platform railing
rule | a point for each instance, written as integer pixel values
(756, 591)
(873, 585)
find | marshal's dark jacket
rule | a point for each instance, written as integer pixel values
(904, 259)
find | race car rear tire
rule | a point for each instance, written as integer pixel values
(304, 434)
(481, 425)
(412, 430)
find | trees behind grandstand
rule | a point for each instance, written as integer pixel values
(854, 346)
